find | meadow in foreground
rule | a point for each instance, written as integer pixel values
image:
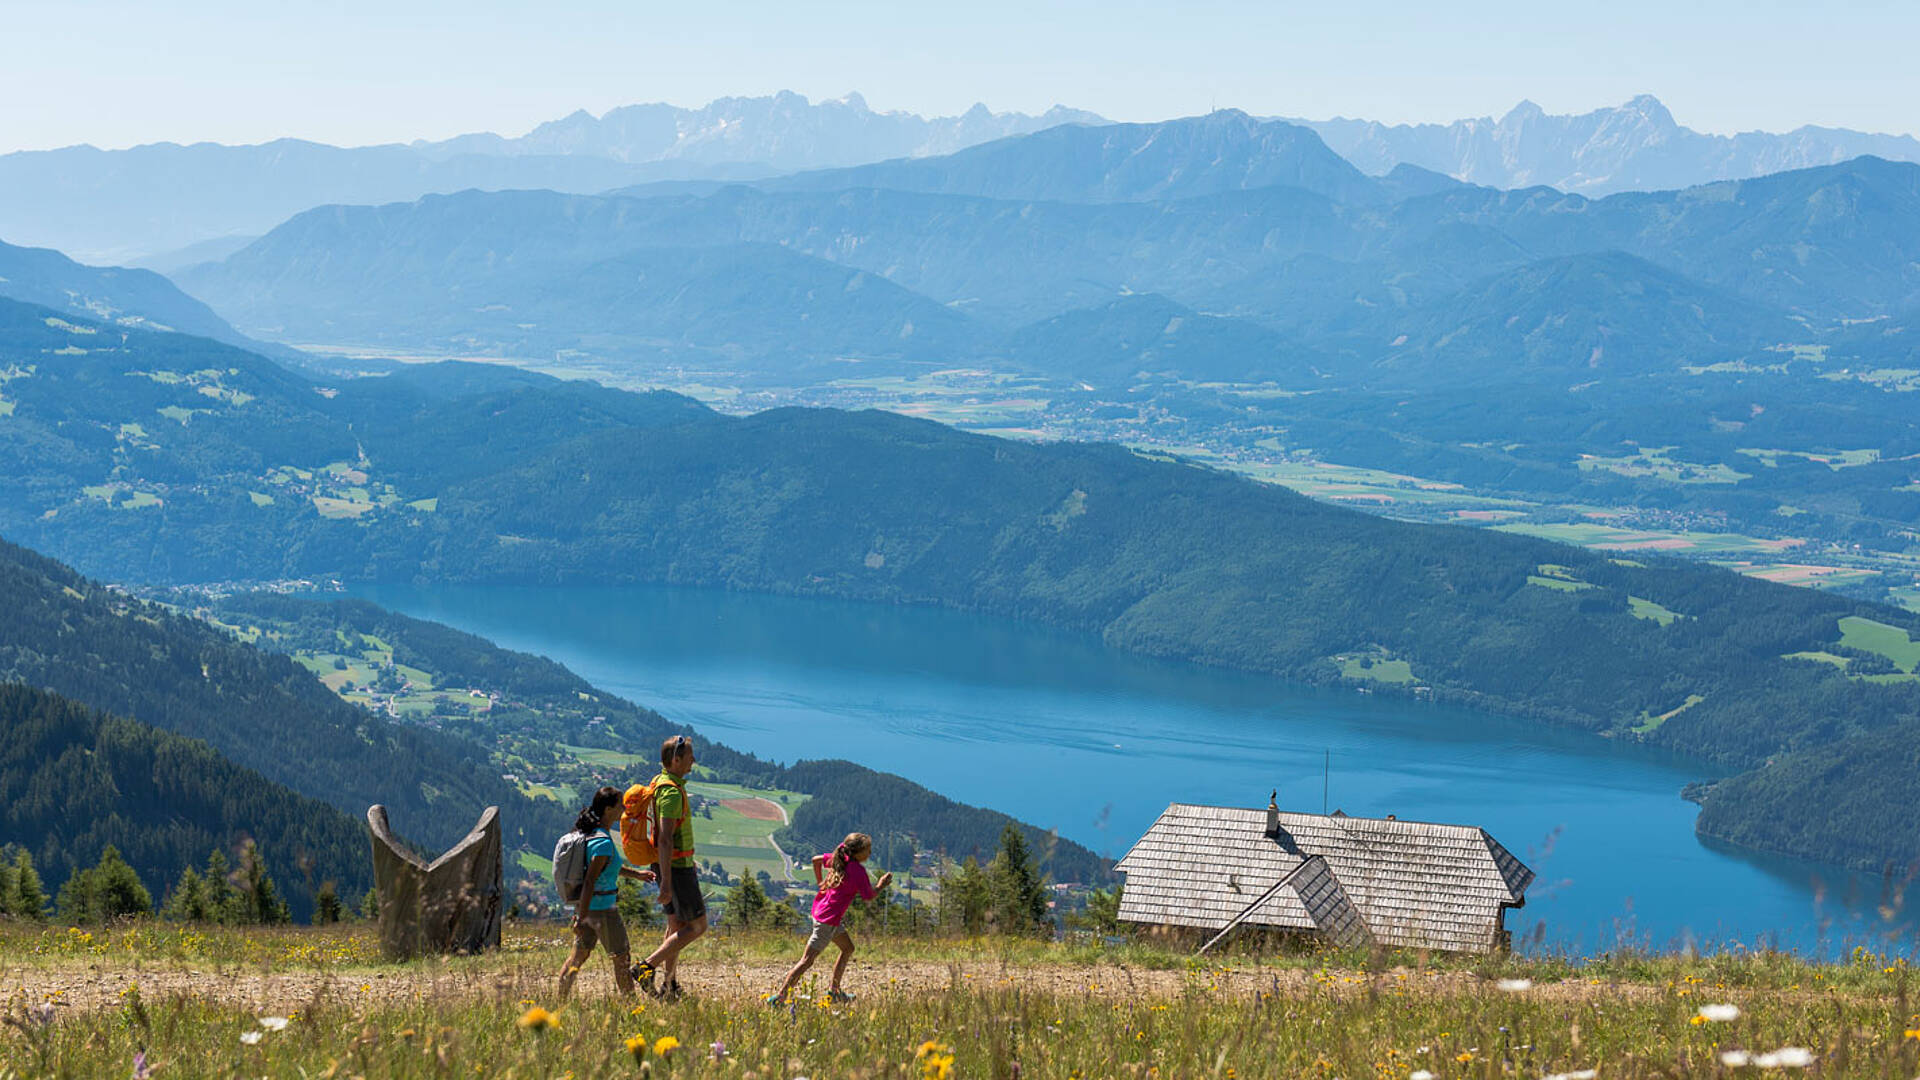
(151, 1000)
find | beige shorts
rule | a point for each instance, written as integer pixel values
(605, 927)
(823, 935)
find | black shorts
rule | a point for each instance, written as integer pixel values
(684, 901)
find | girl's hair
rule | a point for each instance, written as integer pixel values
(857, 845)
(589, 819)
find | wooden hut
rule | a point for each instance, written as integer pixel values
(1355, 881)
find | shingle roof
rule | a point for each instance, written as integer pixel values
(1396, 882)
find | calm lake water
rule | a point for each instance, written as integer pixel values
(1064, 733)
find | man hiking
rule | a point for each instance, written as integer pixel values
(680, 898)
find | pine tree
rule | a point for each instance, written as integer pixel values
(259, 900)
(223, 901)
(9, 882)
(189, 901)
(370, 905)
(29, 897)
(965, 898)
(1019, 894)
(636, 907)
(327, 908)
(108, 890)
(1102, 914)
(747, 905)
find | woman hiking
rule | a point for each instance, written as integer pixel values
(842, 876)
(596, 916)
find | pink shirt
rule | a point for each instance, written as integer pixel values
(830, 905)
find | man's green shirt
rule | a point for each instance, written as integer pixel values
(670, 801)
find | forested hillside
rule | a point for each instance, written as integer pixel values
(74, 781)
(64, 633)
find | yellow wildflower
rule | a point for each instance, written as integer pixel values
(637, 1046)
(1463, 1057)
(538, 1019)
(664, 1045)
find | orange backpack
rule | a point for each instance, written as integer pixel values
(636, 826)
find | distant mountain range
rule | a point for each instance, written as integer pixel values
(1637, 146)
(116, 206)
(781, 133)
(1411, 278)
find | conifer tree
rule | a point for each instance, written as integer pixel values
(327, 908)
(259, 900)
(636, 907)
(223, 901)
(9, 881)
(370, 905)
(1019, 894)
(107, 890)
(189, 901)
(965, 898)
(747, 905)
(29, 897)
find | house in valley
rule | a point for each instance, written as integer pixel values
(1215, 870)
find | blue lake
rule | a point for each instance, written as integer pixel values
(1062, 732)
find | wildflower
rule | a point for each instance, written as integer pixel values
(538, 1019)
(1911, 1033)
(1583, 1074)
(637, 1046)
(251, 1038)
(1420, 1074)
(718, 1051)
(635, 1011)
(1787, 1057)
(1463, 1056)
(41, 1014)
(664, 1045)
(274, 1023)
(141, 1070)
(1720, 1012)
(1515, 986)
(1736, 1059)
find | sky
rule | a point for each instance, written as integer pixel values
(351, 72)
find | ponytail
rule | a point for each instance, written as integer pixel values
(855, 846)
(589, 819)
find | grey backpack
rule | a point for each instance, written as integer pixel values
(570, 865)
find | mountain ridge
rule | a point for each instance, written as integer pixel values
(1636, 146)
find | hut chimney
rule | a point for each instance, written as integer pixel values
(1273, 815)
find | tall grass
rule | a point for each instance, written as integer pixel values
(1005, 1009)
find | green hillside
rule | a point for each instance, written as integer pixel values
(1155, 555)
(74, 781)
(98, 647)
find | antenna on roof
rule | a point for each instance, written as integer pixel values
(1326, 779)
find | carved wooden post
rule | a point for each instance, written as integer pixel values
(450, 905)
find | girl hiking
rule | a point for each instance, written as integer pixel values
(842, 876)
(596, 918)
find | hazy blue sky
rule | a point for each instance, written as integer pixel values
(357, 71)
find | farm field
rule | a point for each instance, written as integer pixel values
(204, 1001)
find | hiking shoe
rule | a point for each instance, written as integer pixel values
(839, 997)
(775, 1001)
(642, 973)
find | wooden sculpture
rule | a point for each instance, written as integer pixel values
(451, 905)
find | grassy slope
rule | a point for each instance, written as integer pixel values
(1056, 1010)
